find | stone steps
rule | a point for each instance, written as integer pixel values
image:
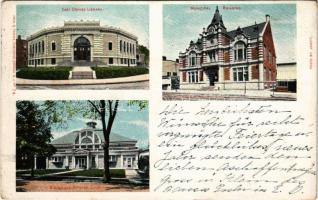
(82, 73)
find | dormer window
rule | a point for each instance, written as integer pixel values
(239, 51)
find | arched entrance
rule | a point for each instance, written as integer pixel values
(82, 49)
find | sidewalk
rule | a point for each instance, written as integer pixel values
(247, 93)
(130, 79)
(235, 95)
(133, 177)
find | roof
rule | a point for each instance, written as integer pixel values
(81, 25)
(70, 137)
(252, 31)
(217, 19)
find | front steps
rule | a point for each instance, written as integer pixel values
(82, 72)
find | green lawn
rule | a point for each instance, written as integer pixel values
(117, 71)
(116, 173)
(38, 172)
(44, 73)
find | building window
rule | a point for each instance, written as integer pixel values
(42, 46)
(133, 49)
(36, 49)
(57, 159)
(110, 46)
(53, 61)
(111, 61)
(192, 59)
(239, 51)
(168, 73)
(121, 61)
(112, 158)
(53, 46)
(124, 46)
(42, 61)
(193, 77)
(240, 74)
(120, 45)
(130, 50)
(212, 56)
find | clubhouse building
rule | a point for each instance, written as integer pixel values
(84, 149)
(243, 58)
(82, 43)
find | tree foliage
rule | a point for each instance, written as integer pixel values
(33, 133)
(144, 50)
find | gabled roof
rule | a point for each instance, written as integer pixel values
(70, 137)
(252, 31)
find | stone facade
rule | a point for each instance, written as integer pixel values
(82, 43)
(83, 149)
(244, 58)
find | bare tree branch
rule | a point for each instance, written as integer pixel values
(94, 106)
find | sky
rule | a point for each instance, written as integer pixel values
(132, 18)
(183, 23)
(129, 122)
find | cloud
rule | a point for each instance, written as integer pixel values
(143, 124)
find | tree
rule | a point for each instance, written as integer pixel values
(33, 134)
(104, 110)
(144, 50)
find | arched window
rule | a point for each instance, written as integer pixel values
(120, 45)
(53, 46)
(192, 59)
(96, 140)
(124, 46)
(86, 140)
(130, 48)
(239, 51)
(36, 49)
(77, 140)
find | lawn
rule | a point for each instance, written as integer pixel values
(39, 172)
(116, 173)
(117, 71)
(44, 73)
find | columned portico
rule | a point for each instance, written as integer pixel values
(85, 149)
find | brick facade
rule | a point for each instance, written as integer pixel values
(228, 58)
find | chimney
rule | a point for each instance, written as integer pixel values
(267, 18)
(164, 58)
(91, 124)
(19, 37)
(203, 30)
(177, 60)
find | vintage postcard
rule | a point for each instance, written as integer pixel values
(63, 145)
(230, 52)
(158, 100)
(82, 47)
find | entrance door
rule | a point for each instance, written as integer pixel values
(81, 162)
(213, 76)
(82, 49)
(128, 162)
